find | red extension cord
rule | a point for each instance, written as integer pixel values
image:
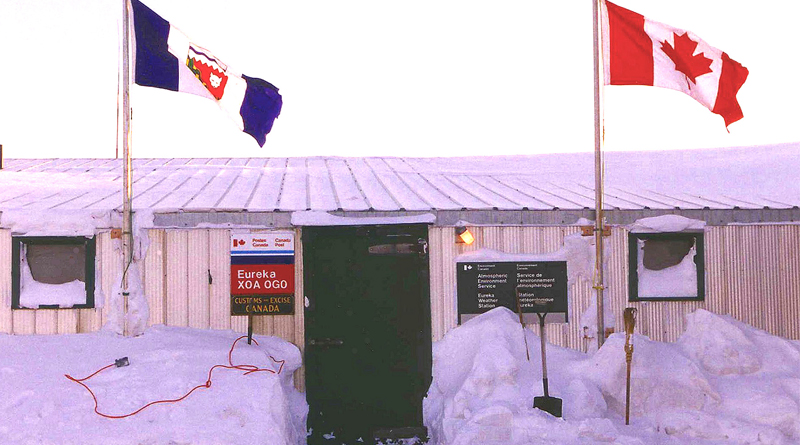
(248, 369)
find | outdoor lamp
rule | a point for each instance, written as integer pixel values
(464, 236)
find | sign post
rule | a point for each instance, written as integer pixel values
(249, 329)
(262, 274)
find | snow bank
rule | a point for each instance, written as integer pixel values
(39, 405)
(721, 382)
(483, 383)
(661, 377)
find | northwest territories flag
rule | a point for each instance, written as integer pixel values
(166, 58)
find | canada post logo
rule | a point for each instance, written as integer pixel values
(210, 71)
(262, 243)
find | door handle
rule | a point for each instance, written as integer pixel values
(326, 342)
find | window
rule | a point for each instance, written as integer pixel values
(52, 272)
(666, 266)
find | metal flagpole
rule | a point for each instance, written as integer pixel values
(127, 190)
(598, 172)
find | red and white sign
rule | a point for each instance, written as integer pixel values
(262, 264)
(262, 279)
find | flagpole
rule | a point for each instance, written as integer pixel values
(127, 235)
(598, 172)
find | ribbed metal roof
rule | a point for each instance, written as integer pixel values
(755, 177)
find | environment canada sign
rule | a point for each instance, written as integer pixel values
(262, 273)
(541, 287)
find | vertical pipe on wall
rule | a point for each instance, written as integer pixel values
(6, 325)
(299, 311)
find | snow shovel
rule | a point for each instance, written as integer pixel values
(546, 403)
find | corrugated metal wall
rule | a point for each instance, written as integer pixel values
(752, 274)
(758, 269)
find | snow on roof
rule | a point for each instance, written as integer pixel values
(752, 177)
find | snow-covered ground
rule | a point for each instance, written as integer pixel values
(723, 382)
(39, 405)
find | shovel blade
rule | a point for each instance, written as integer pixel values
(550, 405)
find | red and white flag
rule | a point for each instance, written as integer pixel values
(639, 51)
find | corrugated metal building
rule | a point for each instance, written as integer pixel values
(749, 199)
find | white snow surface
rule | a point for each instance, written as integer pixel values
(666, 223)
(679, 280)
(40, 406)
(722, 382)
(32, 293)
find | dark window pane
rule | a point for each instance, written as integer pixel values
(57, 263)
(663, 253)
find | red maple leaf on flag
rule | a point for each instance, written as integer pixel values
(686, 61)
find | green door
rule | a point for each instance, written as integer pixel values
(367, 331)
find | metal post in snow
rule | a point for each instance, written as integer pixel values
(598, 172)
(127, 191)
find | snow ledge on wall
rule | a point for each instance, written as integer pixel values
(667, 224)
(48, 222)
(315, 218)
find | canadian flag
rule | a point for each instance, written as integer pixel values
(639, 51)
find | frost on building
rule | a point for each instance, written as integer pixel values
(372, 261)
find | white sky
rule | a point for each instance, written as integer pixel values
(401, 78)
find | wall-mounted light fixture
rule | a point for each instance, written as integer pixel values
(464, 236)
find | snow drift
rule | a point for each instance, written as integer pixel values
(721, 381)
